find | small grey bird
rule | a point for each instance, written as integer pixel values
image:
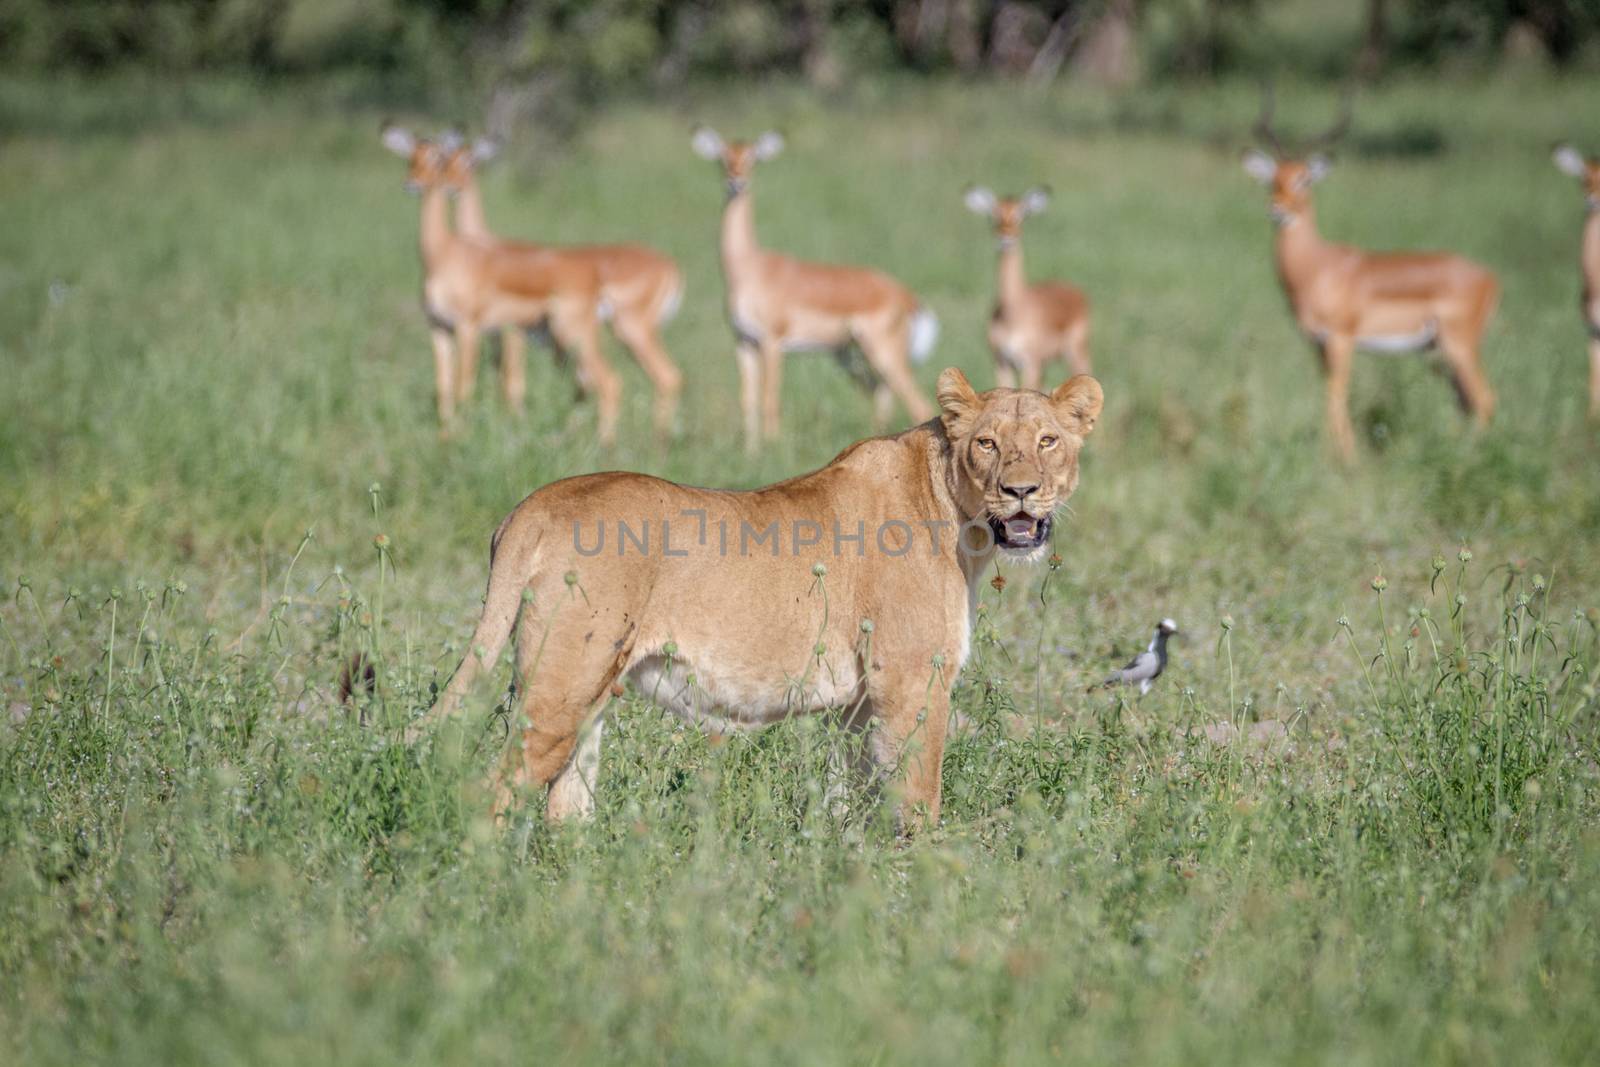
(1147, 666)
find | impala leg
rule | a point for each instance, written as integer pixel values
(1594, 378)
(1466, 371)
(888, 357)
(1337, 356)
(444, 377)
(576, 328)
(514, 367)
(1078, 348)
(771, 386)
(639, 334)
(749, 393)
(882, 406)
(1005, 375)
(467, 345)
(1032, 372)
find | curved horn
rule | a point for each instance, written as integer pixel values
(1263, 127)
(1341, 123)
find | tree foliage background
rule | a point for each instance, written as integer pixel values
(551, 56)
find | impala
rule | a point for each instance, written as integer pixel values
(472, 286)
(778, 304)
(1031, 324)
(640, 288)
(1344, 298)
(1586, 170)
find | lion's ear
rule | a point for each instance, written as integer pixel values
(958, 401)
(1078, 401)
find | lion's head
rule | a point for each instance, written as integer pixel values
(1014, 454)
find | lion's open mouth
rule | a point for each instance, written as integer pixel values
(1020, 531)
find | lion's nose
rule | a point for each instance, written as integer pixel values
(1019, 491)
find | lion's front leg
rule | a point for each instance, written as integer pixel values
(911, 711)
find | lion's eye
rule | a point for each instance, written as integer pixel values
(1047, 441)
(987, 444)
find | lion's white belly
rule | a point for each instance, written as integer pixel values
(717, 699)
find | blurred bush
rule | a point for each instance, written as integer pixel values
(553, 57)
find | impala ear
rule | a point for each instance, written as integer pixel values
(958, 402)
(399, 140)
(1260, 166)
(1570, 161)
(979, 200)
(1035, 200)
(768, 145)
(485, 150)
(1317, 168)
(708, 144)
(1078, 401)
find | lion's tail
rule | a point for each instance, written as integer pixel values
(509, 574)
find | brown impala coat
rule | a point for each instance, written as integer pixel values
(472, 286)
(778, 304)
(1032, 325)
(1345, 298)
(640, 288)
(1587, 171)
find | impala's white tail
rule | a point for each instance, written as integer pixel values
(924, 334)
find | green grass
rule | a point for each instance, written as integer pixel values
(212, 345)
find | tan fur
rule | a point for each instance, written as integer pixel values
(473, 286)
(1343, 296)
(778, 303)
(731, 639)
(639, 286)
(1587, 171)
(1032, 325)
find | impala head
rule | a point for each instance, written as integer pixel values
(1290, 174)
(1289, 180)
(1007, 212)
(737, 158)
(1014, 454)
(425, 158)
(1586, 170)
(462, 158)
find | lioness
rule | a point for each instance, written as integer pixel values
(852, 587)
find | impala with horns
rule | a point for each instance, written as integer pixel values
(779, 304)
(1587, 171)
(1032, 325)
(1346, 299)
(640, 288)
